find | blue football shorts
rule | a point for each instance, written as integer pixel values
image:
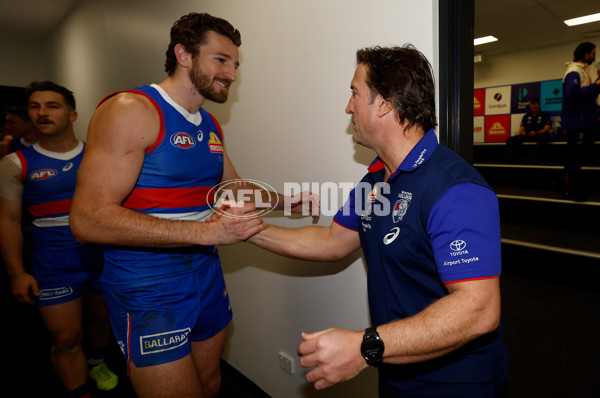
(156, 323)
(67, 274)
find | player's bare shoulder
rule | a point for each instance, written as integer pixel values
(126, 104)
(126, 113)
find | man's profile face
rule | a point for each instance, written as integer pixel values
(590, 57)
(361, 107)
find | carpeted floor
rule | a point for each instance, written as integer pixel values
(551, 319)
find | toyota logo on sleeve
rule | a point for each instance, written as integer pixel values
(458, 248)
(458, 245)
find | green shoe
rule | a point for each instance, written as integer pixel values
(105, 379)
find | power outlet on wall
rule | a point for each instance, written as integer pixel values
(286, 362)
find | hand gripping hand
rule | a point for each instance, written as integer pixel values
(234, 222)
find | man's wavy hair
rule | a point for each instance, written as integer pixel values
(583, 48)
(51, 86)
(404, 77)
(191, 31)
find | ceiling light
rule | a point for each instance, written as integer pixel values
(582, 20)
(484, 40)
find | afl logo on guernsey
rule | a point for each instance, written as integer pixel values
(183, 141)
(43, 174)
(214, 143)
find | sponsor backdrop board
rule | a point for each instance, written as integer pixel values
(497, 100)
(498, 110)
(497, 128)
(478, 127)
(479, 102)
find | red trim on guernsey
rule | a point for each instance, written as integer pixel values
(218, 126)
(161, 131)
(378, 165)
(50, 209)
(473, 279)
(23, 165)
(343, 226)
(150, 198)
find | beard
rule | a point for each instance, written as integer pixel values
(204, 86)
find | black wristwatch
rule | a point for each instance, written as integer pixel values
(372, 347)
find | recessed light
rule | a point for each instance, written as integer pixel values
(484, 40)
(582, 20)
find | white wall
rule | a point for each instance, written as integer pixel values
(284, 122)
(22, 61)
(525, 66)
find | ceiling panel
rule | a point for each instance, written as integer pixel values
(529, 24)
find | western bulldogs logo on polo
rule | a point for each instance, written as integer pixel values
(183, 141)
(401, 206)
(43, 174)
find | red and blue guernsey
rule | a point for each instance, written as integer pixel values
(49, 180)
(435, 221)
(179, 170)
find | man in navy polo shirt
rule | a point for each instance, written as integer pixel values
(429, 228)
(535, 127)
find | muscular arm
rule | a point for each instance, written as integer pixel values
(472, 309)
(313, 243)
(11, 234)
(120, 131)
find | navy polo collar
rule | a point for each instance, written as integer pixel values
(415, 158)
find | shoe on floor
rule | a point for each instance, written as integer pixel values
(105, 379)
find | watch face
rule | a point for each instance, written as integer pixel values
(372, 349)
